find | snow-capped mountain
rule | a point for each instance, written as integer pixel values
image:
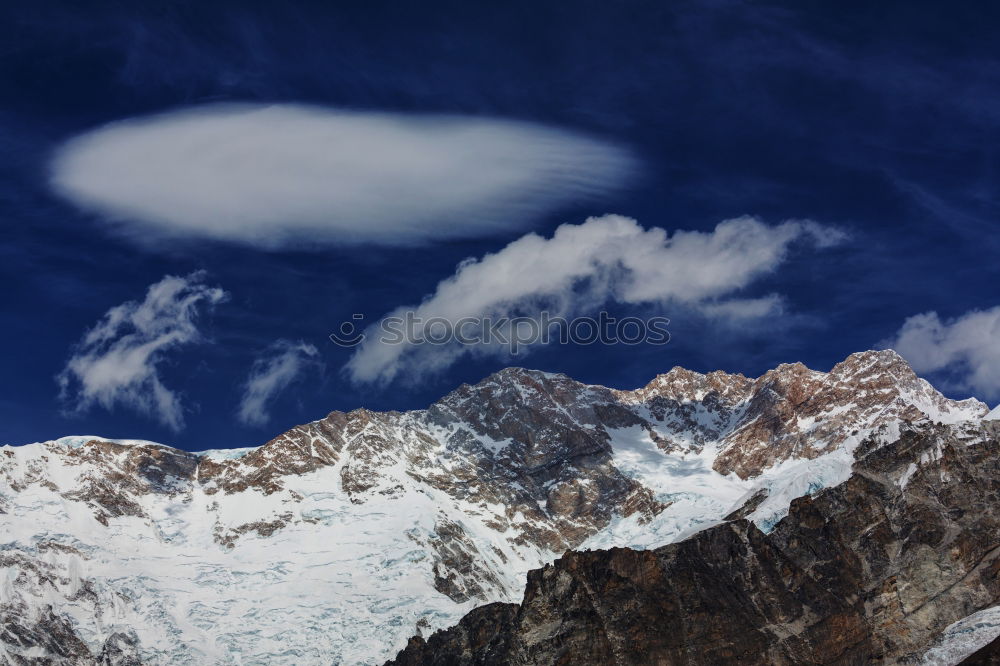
(339, 539)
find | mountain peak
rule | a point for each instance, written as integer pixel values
(874, 360)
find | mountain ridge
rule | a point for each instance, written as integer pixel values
(358, 528)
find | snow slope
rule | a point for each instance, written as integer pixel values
(964, 637)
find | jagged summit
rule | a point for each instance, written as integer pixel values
(882, 357)
(678, 384)
(514, 381)
(225, 557)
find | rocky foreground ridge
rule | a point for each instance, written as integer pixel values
(341, 538)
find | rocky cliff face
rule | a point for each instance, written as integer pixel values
(340, 538)
(870, 571)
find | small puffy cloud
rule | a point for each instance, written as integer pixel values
(284, 174)
(966, 349)
(270, 374)
(117, 362)
(610, 258)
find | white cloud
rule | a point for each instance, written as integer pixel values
(609, 258)
(771, 305)
(966, 348)
(275, 175)
(117, 362)
(270, 375)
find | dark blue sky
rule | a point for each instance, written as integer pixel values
(878, 118)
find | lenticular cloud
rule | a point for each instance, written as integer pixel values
(278, 175)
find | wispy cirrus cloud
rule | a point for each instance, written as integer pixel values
(117, 362)
(283, 363)
(965, 349)
(605, 259)
(285, 174)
